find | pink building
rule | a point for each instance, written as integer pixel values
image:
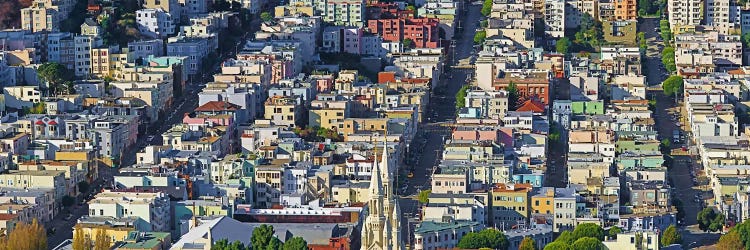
(476, 134)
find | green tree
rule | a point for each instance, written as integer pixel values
(274, 244)
(613, 231)
(665, 144)
(83, 186)
(731, 241)
(424, 196)
(557, 245)
(222, 244)
(563, 45)
(480, 36)
(588, 243)
(487, 238)
(513, 96)
(486, 7)
(295, 243)
(642, 41)
(68, 201)
(566, 237)
(666, 32)
(709, 220)
(266, 17)
(461, 96)
(668, 59)
(527, 244)
(262, 236)
(671, 236)
(673, 85)
(55, 75)
(408, 43)
(588, 230)
(38, 108)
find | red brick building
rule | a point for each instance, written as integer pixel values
(423, 32)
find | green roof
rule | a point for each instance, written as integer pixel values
(432, 226)
(146, 241)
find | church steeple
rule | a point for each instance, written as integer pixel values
(396, 225)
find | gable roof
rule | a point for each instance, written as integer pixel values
(218, 106)
(532, 105)
(218, 229)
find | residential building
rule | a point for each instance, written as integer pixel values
(343, 12)
(443, 234)
(625, 10)
(284, 111)
(510, 205)
(155, 23)
(423, 32)
(682, 13)
(151, 209)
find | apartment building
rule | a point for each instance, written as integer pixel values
(155, 23)
(151, 209)
(510, 205)
(706, 52)
(443, 235)
(52, 179)
(683, 13)
(343, 12)
(268, 185)
(558, 202)
(625, 10)
(555, 18)
(423, 32)
(284, 111)
(193, 48)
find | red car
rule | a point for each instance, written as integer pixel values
(684, 148)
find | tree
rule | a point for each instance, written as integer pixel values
(673, 85)
(557, 245)
(55, 75)
(408, 43)
(642, 41)
(224, 244)
(262, 236)
(487, 238)
(266, 17)
(78, 239)
(486, 7)
(424, 196)
(730, 241)
(709, 220)
(513, 96)
(563, 45)
(589, 230)
(613, 231)
(103, 241)
(588, 243)
(527, 244)
(68, 201)
(83, 186)
(671, 236)
(666, 32)
(480, 36)
(566, 237)
(665, 144)
(26, 236)
(295, 243)
(461, 96)
(274, 244)
(38, 108)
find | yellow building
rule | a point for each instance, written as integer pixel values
(115, 231)
(354, 125)
(544, 201)
(293, 10)
(351, 192)
(268, 181)
(36, 179)
(282, 111)
(191, 208)
(510, 204)
(88, 158)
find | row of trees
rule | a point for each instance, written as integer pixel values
(318, 134)
(487, 238)
(486, 7)
(81, 241)
(667, 58)
(262, 239)
(25, 236)
(461, 96)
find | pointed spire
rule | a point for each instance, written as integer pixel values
(396, 214)
(376, 182)
(384, 157)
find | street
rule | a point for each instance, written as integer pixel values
(442, 109)
(679, 174)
